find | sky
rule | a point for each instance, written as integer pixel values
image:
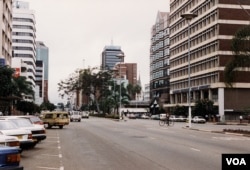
(76, 32)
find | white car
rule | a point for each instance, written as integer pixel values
(11, 141)
(198, 119)
(85, 114)
(38, 131)
(75, 116)
(24, 136)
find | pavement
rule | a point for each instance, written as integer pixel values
(225, 128)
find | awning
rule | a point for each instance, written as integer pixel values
(134, 110)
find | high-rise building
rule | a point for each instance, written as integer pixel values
(128, 71)
(39, 92)
(210, 38)
(159, 59)
(42, 54)
(6, 30)
(23, 40)
(109, 57)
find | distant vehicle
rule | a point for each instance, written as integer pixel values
(24, 136)
(56, 118)
(163, 116)
(173, 118)
(10, 158)
(145, 116)
(75, 116)
(131, 116)
(198, 119)
(155, 117)
(181, 119)
(85, 114)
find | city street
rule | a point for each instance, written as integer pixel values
(97, 144)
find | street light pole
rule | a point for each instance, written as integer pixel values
(120, 102)
(188, 17)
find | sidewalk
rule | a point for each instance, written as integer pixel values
(225, 128)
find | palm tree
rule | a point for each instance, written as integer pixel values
(241, 50)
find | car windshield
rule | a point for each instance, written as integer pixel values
(35, 119)
(7, 125)
(22, 122)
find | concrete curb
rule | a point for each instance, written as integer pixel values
(212, 131)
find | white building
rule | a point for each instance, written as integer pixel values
(23, 39)
(6, 29)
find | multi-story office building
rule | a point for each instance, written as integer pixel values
(6, 31)
(42, 54)
(23, 39)
(210, 38)
(109, 57)
(159, 59)
(128, 71)
(39, 90)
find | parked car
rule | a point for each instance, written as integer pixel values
(163, 116)
(85, 114)
(56, 118)
(131, 116)
(155, 117)
(34, 119)
(181, 119)
(38, 131)
(173, 118)
(11, 141)
(75, 116)
(10, 158)
(24, 136)
(144, 116)
(198, 119)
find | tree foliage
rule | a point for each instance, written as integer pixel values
(204, 107)
(241, 50)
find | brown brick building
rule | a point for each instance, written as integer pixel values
(211, 33)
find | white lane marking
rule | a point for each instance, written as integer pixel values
(43, 167)
(194, 149)
(59, 155)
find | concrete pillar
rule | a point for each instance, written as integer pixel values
(221, 104)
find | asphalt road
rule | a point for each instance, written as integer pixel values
(104, 144)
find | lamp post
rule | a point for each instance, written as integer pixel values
(121, 56)
(188, 17)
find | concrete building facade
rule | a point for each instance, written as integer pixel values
(23, 40)
(211, 33)
(6, 32)
(42, 54)
(109, 57)
(159, 60)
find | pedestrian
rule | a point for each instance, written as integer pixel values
(241, 119)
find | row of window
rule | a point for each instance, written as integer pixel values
(195, 54)
(195, 81)
(24, 20)
(194, 40)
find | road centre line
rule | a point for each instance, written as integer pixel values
(59, 155)
(194, 149)
(43, 167)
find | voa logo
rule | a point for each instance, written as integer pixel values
(236, 161)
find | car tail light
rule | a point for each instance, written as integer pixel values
(13, 158)
(14, 143)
